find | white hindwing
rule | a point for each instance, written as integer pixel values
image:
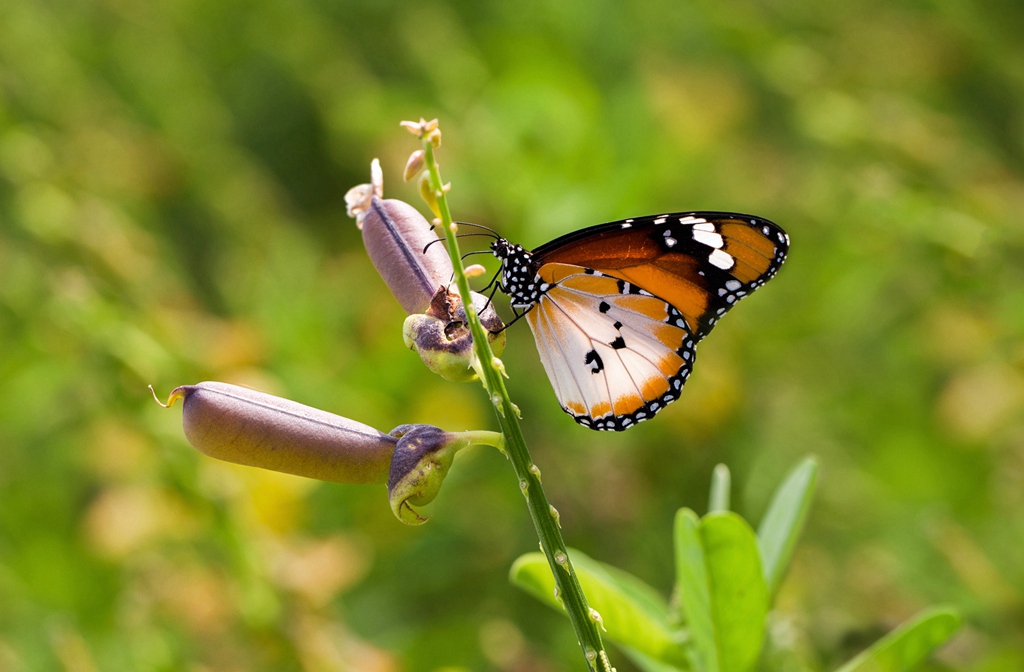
(615, 354)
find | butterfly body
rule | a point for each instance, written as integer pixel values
(617, 309)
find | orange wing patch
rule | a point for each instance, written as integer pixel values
(666, 279)
(753, 251)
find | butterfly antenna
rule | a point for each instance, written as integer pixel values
(461, 235)
(491, 231)
(470, 254)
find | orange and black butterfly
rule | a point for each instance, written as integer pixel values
(617, 309)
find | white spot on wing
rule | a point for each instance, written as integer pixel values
(711, 239)
(722, 259)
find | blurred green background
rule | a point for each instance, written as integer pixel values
(171, 183)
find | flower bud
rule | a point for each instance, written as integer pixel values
(243, 426)
(428, 195)
(421, 461)
(359, 197)
(404, 249)
(421, 128)
(442, 337)
(417, 162)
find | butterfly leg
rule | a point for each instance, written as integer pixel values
(490, 297)
(518, 316)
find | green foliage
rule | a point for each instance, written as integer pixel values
(908, 645)
(721, 487)
(721, 589)
(783, 521)
(632, 612)
(723, 593)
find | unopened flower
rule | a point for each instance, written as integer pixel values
(406, 252)
(422, 459)
(442, 337)
(428, 194)
(414, 263)
(417, 162)
(421, 128)
(247, 427)
(358, 198)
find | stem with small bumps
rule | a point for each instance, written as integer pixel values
(545, 517)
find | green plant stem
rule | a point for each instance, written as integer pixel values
(543, 515)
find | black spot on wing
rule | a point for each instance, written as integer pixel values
(595, 359)
(619, 343)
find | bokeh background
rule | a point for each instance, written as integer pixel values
(171, 210)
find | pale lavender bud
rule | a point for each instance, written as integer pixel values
(243, 426)
(405, 251)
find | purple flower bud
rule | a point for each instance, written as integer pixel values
(442, 337)
(422, 459)
(243, 426)
(397, 237)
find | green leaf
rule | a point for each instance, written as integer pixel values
(777, 535)
(908, 645)
(694, 588)
(633, 613)
(721, 588)
(648, 664)
(720, 487)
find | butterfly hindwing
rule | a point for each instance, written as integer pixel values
(615, 353)
(701, 263)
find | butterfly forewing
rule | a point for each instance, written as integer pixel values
(700, 262)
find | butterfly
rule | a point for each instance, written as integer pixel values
(617, 309)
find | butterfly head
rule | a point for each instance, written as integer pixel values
(519, 278)
(503, 249)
